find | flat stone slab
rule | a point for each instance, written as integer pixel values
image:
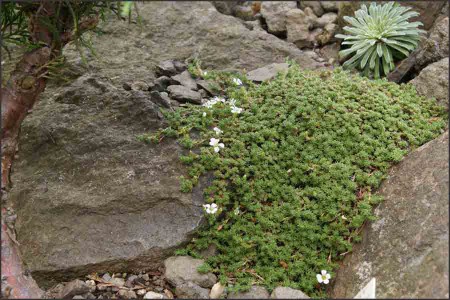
(267, 72)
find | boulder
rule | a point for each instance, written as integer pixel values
(326, 19)
(433, 82)
(255, 292)
(435, 47)
(274, 13)
(314, 5)
(184, 94)
(287, 293)
(189, 290)
(268, 72)
(186, 80)
(181, 269)
(298, 25)
(166, 68)
(89, 196)
(330, 5)
(406, 249)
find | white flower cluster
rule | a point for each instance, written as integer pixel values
(232, 102)
(213, 101)
(210, 208)
(215, 143)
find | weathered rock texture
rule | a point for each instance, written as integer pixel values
(428, 10)
(406, 250)
(90, 196)
(433, 82)
(432, 48)
(274, 12)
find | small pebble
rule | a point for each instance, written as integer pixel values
(153, 295)
(141, 292)
(146, 277)
(106, 277)
(78, 297)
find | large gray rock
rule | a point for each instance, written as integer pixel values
(287, 293)
(89, 196)
(406, 249)
(182, 269)
(274, 12)
(181, 30)
(255, 292)
(433, 82)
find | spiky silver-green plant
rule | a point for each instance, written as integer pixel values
(378, 36)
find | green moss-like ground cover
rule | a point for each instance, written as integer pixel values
(295, 181)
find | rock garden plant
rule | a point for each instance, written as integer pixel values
(295, 162)
(379, 36)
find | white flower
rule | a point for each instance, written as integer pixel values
(204, 114)
(205, 73)
(219, 99)
(236, 110)
(208, 104)
(210, 208)
(324, 277)
(217, 130)
(232, 102)
(237, 81)
(215, 143)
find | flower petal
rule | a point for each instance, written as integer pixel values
(221, 145)
(216, 149)
(328, 276)
(323, 272)
(326, 281)
(319, 278)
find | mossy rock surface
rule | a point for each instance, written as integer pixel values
(295, 180)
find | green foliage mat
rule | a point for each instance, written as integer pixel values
(295, 180)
